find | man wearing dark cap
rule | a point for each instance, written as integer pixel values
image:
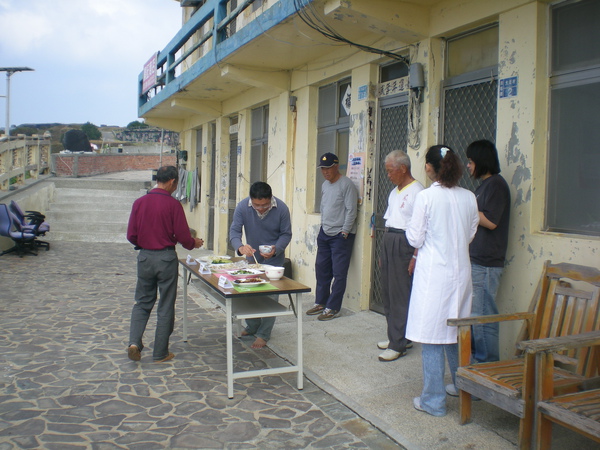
(339, 204)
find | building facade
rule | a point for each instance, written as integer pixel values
(259, 89)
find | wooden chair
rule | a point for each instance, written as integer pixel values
(557, 309)
(578, 411)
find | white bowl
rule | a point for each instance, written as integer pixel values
(274, 272)
(265, 249)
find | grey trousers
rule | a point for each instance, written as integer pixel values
(396, 285)
(260, 327)
(156, 269)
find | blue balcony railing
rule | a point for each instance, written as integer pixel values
(212, 31)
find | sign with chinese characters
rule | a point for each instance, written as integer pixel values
(225, 283)
(150, 70)
(508, 87)
(347, 100)
(356, 165)
(392, 87)
(363, 92)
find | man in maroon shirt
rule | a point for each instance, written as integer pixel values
(156, 224)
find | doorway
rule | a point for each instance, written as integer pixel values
(392, 135)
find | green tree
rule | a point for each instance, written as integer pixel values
(28, 131)
(136, 124)
(91, 131)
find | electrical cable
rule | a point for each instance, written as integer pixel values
(309, 15)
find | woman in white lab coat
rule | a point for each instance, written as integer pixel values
(444, 221)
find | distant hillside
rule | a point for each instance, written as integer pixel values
(110, 134)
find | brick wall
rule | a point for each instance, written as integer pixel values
(83, 165)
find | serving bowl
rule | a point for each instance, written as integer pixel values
(265, 249)
(274, 272)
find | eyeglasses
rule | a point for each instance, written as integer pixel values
(262, 206)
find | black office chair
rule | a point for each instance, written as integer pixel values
(10, 227)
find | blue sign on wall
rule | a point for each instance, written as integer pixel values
(508, 87)
(363, 92)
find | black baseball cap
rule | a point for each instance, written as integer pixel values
(328, 160)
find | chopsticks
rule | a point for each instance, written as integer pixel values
(254, 256)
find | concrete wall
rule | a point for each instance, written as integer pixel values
(86, 164)
(139, 149)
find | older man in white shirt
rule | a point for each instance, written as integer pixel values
(397, 256)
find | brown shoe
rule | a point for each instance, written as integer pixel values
(134, 353)
(169, 357)
(316, 309)
(328, 314)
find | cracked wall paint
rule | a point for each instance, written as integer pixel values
(309, 238)
(521, 179)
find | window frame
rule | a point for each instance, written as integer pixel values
(336, 131)
(582, 75)
(259, 143)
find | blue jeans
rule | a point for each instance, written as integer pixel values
(333, 261)
(261, 327)
(155, 270)
(486, 280)
(433, 396)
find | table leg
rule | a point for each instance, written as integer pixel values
(185, 296)
(300, 354)
(229, 336)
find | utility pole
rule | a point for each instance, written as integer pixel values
(9, 72)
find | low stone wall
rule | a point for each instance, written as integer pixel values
(87, 164)
(21, 158)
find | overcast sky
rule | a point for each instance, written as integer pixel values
(87, 56)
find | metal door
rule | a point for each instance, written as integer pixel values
(470, 109)
(212, 155)
(393, 135)
(233, 172)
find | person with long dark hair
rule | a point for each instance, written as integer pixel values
(443, 223)
(488, 248)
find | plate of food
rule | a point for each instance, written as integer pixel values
(216, 259)
(244, 273)
(224, 267)
(258, 267)
(254, 281)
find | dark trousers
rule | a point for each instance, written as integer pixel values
(396, 285)
(156, 270)
(333, 260)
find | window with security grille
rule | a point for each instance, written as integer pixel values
(212, 154)
(470, 101)
(199, 159)
(259, 144)
(333, 124)
(233, 173)
(573, 182)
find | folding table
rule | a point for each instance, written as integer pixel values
(248, 305)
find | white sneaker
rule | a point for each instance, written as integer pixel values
(451, 390)
(385, 344)
(390, 355)
(382, 345)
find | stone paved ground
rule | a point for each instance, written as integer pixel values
(66, 382)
